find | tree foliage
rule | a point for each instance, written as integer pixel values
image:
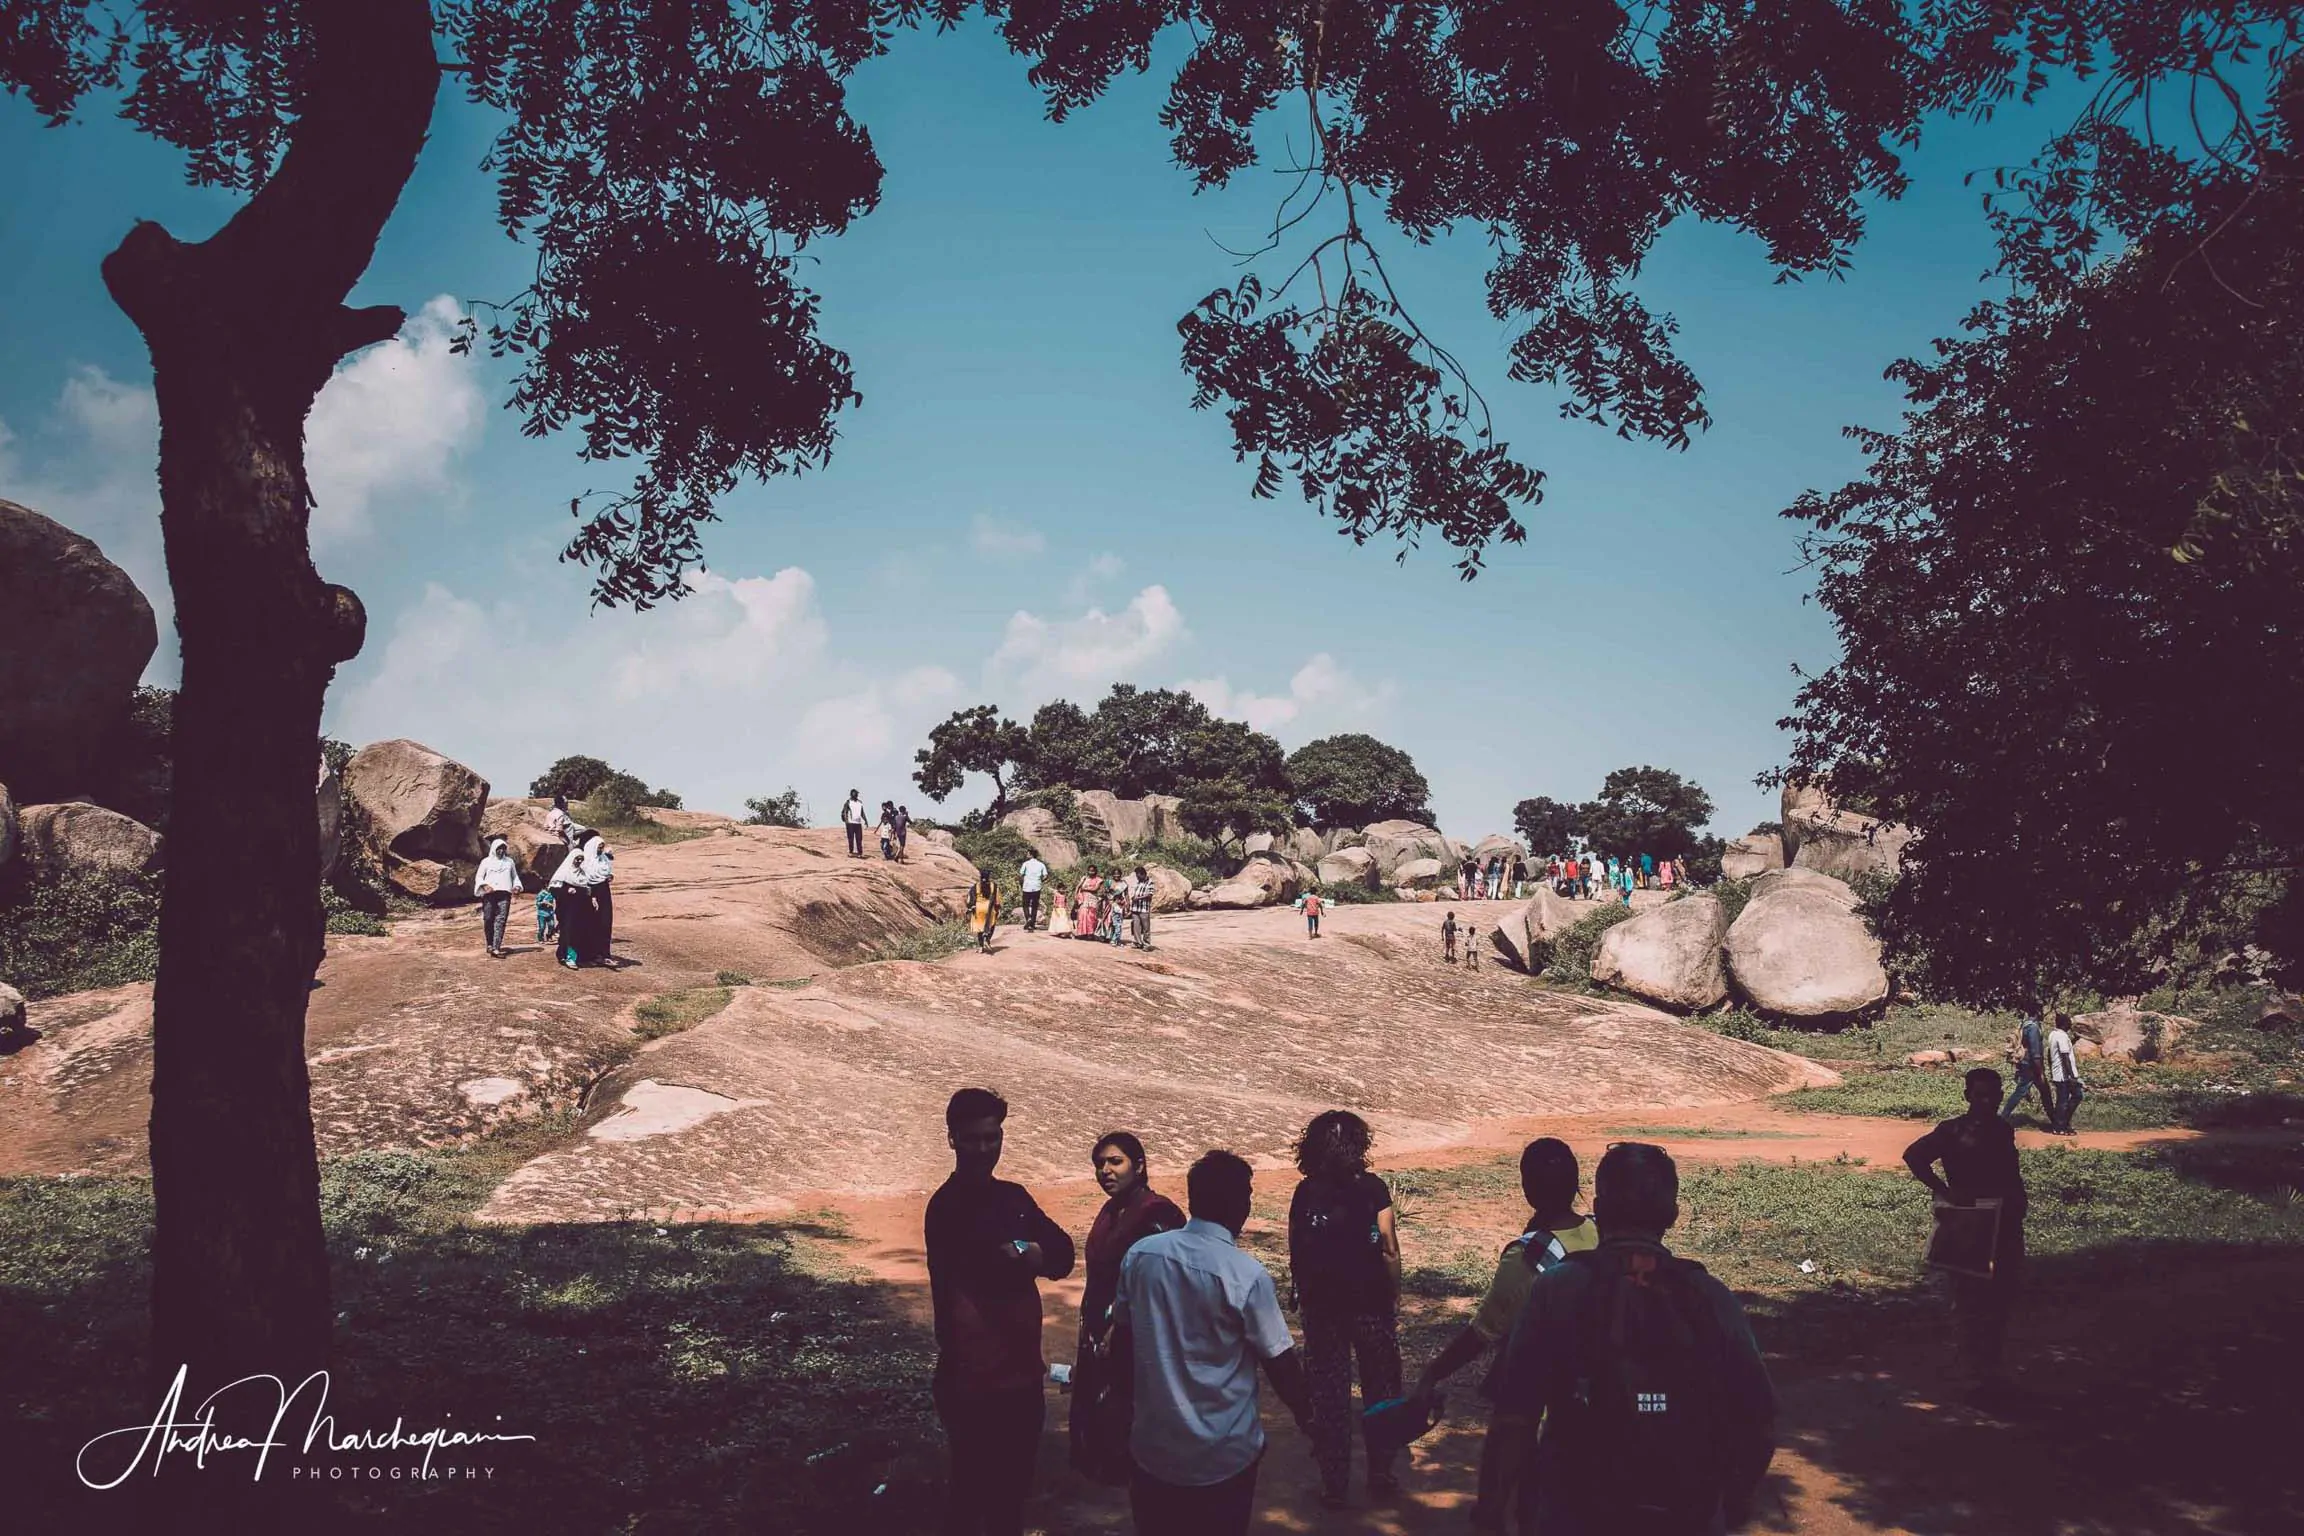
(1645, 810)
(575, 777)
(974, 740)
(1546, 825)
(2067, 594)
(1354, 780)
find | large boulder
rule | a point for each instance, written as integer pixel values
(328, 808)
(1259, 842)
(1497, 846)
(11, 1011)
(1117, 822)
(1349, 866)
(75, 838)
(1798, 879)
(2125, 1034)
(1520, 935)
(75, 635)
(1755, 854)
(1395, 843)
(522, 826)
(1171, 891)
(1340, 838)
(7, 826)
(1167, 817)
(1669, 956)
(420, 812)
(1040, 828)
(1265, 880)
(1306, 846)
(1417, 874)
(1819, 835)
(1798, 952)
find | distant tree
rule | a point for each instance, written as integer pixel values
(575, 777)
(1703, 859)
(1546, 825)
(1354, 780)
(974, 740)
(1767, 829)
(1645, 810)
(784, 810)
(1142, 739)
(619, 798)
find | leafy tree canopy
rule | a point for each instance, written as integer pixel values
(1354, 780)
(575, 777)
(974, 740)
(1546, 825)
(1645, 810)
(2066, 593)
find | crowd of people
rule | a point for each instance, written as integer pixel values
(1112, 905)
(1578, 876)
(892, 827)
(1608, 1354)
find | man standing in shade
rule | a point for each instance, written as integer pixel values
(989, 1246)
(1978, 1154)
(1199, 1317)
(2063, 1076)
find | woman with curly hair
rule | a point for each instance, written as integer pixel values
(1344, 1262)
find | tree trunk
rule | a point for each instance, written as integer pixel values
(244, 329)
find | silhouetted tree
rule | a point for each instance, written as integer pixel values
(1548, 826)
(1645, 810)
(973, 740)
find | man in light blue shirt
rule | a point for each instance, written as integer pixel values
(1035, 875)
(1198, 1316)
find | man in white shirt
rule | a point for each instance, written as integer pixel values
(2063, 1077)
(852, 817)
(1035, 875)
(1198, 1316)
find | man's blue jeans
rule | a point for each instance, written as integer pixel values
(2028, 1078)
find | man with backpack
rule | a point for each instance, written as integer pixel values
(1659, 1419)
(1549, 1179)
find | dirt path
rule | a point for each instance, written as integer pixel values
(1888, 1394)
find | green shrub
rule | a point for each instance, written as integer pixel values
(85, 931)
(784, 810)
(676, 1011)
(999, 849)
(1196, 859)
(1566, 958)
(927, 943)
(1351, 895)
(1733, 895)
(343, 917)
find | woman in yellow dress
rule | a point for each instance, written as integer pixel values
(984, 912)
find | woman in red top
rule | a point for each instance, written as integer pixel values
(1101, 1407)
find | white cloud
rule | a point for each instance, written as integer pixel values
(1037, 655)
(1093, 578)
(1320, 690)
(391, 422)
(1005, 540)
(723, 634)
(734, 691)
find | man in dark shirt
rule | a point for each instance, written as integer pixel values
(2031, 1071)
(1978, 1154)
(989, 1245)
(1544, 1373)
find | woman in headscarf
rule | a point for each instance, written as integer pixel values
(984, 909)
(1101, 1397)
(494, 882)
(572, 908)
(599, 873)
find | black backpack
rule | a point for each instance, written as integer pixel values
(1637, 1430)
(1334, 1251)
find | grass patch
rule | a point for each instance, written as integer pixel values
(926, 943)
(1565, 960)
(731, 979)
(621, 825)
(676, 1011)
(1692, 1133)
(343, 917)
(689, 1378)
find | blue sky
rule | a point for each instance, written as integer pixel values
(1024, 507)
